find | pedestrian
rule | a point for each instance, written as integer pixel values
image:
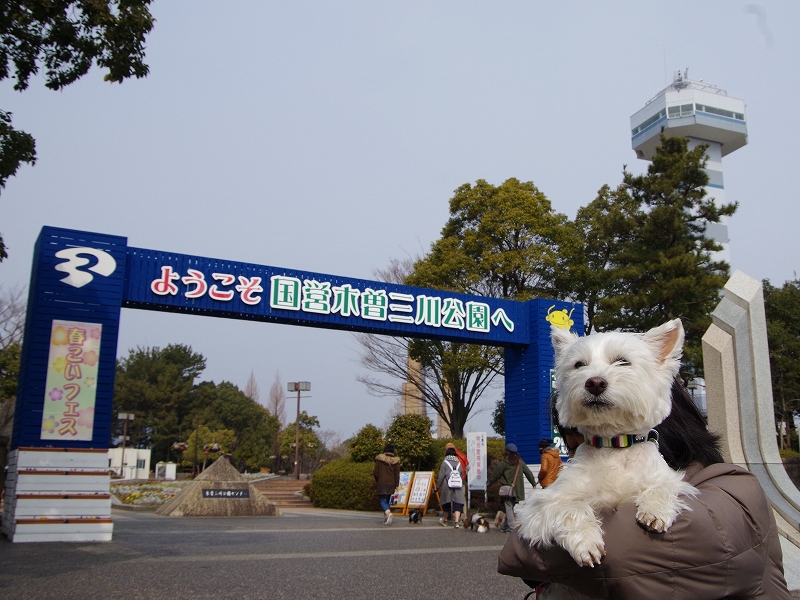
(450, 485)
(242, 465)
(512, 488)
(551, 463)
(387, 477)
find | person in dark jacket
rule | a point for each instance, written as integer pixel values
(725, 546)
(387, 477)
(510, 471)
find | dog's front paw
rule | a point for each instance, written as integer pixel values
(588, 550)
(657, 522)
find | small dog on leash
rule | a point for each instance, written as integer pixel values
(415, 516)
(476, 522)
(614, 388)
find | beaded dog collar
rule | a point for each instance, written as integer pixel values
(624, 440)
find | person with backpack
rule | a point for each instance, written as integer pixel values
(450, 485)
(510, 471)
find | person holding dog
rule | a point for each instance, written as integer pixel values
(387, 477)
(508, 472)
(450, 485)
(725, 546)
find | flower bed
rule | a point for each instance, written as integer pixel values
(147, 494)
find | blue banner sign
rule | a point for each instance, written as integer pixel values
(178, 282)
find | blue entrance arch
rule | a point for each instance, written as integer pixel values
(81, 280)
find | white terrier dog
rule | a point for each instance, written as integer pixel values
(614, 388)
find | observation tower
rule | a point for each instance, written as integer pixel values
(706, 115)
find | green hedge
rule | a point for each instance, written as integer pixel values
(344, 484)
(349, 485)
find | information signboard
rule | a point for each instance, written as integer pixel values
(400, 497)
(476, 454)
(421, 488)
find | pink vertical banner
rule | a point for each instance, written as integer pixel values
(71, 387)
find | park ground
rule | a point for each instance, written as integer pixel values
(307, 553)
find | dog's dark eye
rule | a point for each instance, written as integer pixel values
(622, 362)
(580, 364)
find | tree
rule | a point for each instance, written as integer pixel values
(251, 389)
(605, 225)
(309, 442)
(277, 399)
(206, 444)
(331, 447)
(16, 147)
(66, 37)
(411, 436)
(226, 407)
(156, 385)
(782, 308)
(647, 251)
(12, 323)
(500, 241)
(366, 444)
(499, 418)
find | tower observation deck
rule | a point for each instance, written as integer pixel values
(706, 115)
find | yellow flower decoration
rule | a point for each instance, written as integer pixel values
(49, 424)
(60, 337)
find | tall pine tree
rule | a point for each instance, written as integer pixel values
(650, 258)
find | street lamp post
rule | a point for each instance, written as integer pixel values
(124, 417)
(298, 386)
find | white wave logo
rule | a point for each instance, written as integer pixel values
(105, 266)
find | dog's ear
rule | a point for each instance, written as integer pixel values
(666, 341)
(561, 339)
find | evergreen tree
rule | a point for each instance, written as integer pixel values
(647, 254)
(782, 307)
(366, 444)
(156, 385)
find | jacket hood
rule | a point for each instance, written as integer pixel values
(388, 458)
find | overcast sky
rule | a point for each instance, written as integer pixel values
(329, 137)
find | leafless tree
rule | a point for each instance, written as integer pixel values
(12, 315)
(12, 325)
(251, 389)
(277, 399)
(453, 376)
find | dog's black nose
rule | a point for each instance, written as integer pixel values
(596, 385)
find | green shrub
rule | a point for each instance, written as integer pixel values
(411, 436)
(789, 453)
(344, 484)
(366, 444)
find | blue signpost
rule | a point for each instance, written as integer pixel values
(81, 280)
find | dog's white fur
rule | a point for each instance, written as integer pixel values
(639, 370)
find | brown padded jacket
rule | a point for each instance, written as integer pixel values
(551, 465)
(386, 473)
(727, 547)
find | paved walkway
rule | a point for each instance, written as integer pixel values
(309, 553)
